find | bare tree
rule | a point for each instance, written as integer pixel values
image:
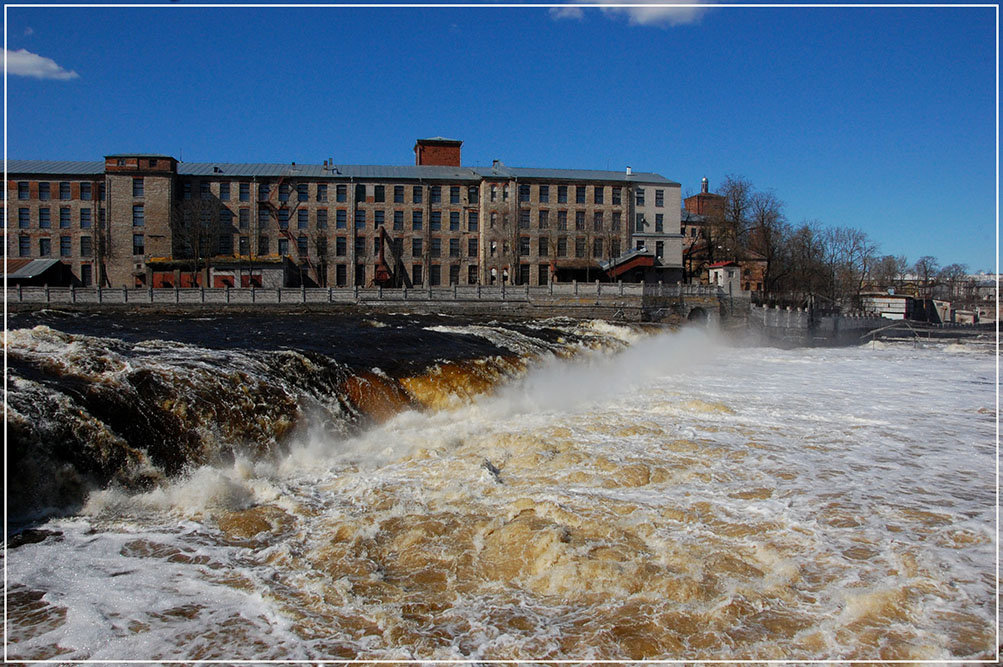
(926, 267)
(769, 235)
(733, 230)
(195, 228)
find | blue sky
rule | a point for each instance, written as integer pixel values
(882, 119)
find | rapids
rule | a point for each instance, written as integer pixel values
(411, 489)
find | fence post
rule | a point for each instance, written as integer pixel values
(620, 283)
(478, 291)
(454, 291)
(598, 288)
(574, 284)
(551, 287)
(177, 295)
(46, 294)
(73, 294)
(379, 292)
(527, 291)
(125, 295)
(405, 292)
(151, 294)
(202, 294)
(228, 294)
(20, 296)
(252, 294)
(303, 294)
(356, 286)
(100, 297)
(330, 294)
(503, 291)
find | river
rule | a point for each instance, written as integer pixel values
(422, 488)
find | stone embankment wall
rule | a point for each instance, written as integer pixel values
(800, 327)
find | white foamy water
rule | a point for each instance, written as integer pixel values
(680, 499)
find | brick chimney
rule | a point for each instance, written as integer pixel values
(437, 151)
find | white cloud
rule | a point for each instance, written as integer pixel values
(653, 13)
(566, 13)
(25, 63)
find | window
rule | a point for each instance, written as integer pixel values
(523, 246)
(580, 194)
(24, 246)
(472, 196)
(435, 221)
(262, 245)
(341, 193)
(245, 191)
(341, 219)
(639, 245)
(544, 274)
(23, 191)
(85, 218)
(454, 274)
(562, 220)
(597, 221)
(659, 219)
(138, 247)
(138, 216)
(322, 192)
(597, 194)
(494, 193)
(435, 195)
(579, 247)
(284, 191)
(614, 248)
(505, 192)
(64, 190)
(283, 214)
(264, 191)
(283, 247)
(86, 277)
(101, 192)
(398, 221)
(322, 218)
(544, 194)
(360, 274)
(341, 275)
(639, 223)
(244, 218)
(204, 190)
(562, 194)
(23, 218)
(340, 246)
(360, 193)
(434, 275)
(524, 274)
(524, 193)
(435, 247)
(378, 218)
(544, 246)
(224, 191)
(454, 247)
(302, 246)
(360, 218)
(454, 194)
(616, 196)
(64, 218)
(472, 247)
(85, 191)
(65, 246)
(524, 218)
(225, 244)
(639, 197)
(44, 222)
(597, 248)
(580, 221)
(472, 274)
(86, 248)
(416, 220)
(186, 190)
(137, 187)
(243, 246)
(376, 246)
(659, 198)
(302, 192)
(44, 191)
(302, 218)
(379, 193)
(416, 248)
(398, 194)
(615, 225)
(659, 247)
(263, 217)
(416, 195)
(3, 217)
(494, 219)
(454, 221)
(472, 221)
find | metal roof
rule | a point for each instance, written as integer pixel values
(32, 269)
(442, 139)
(55, 167)
(377, 172)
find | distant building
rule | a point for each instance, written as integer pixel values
(150, 220)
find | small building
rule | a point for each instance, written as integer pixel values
(39, 272)
(726, 275)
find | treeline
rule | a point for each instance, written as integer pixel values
(810, 261)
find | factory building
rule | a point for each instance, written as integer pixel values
(145, 220)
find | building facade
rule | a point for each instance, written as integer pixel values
(151, 221)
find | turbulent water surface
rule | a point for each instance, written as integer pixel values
(434, 488)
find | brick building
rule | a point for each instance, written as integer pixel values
(149, 220)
